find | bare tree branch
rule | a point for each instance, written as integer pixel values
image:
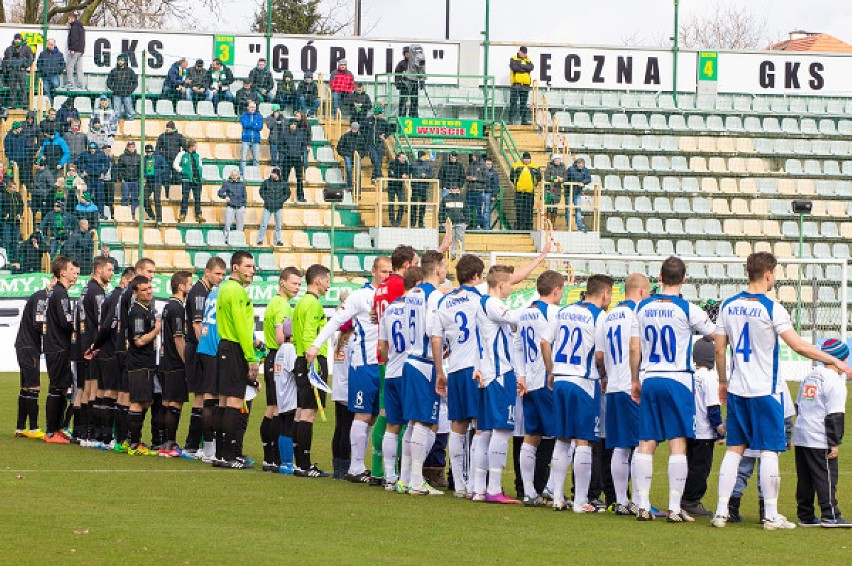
(725, 27)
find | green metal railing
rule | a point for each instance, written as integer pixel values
(386, 94)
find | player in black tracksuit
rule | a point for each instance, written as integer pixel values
(57, 346)
(28, 350)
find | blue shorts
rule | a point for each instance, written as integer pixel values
(462, 395)
(393, 401)
(576, 413)
(497, 404)
(622, 421)
(666, 410)
(364, 389)
(420, 400)
(757, 422)
(538, 412)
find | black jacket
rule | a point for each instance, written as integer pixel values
(350, 142)
(122, 81)
(261, 79)
(274, 194)
(17, 59)
(169, 145)
(76, 37)
(127, 166)
(374, 128)
(396, 170)
(292, 144)
(81, 246)
(241, 99)
(451, 174)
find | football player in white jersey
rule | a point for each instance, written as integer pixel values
(577, 366)
(393, 345)
(421, 401)
(534, 337)
(661, 353)
(752, 323)
(622, 413)
(364, 365)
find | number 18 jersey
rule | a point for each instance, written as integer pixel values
(534, 325)
(455, 322)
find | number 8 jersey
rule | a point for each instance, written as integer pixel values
(665, 325)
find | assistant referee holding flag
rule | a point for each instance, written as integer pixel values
(236, 362)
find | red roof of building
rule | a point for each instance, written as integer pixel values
(804, 41)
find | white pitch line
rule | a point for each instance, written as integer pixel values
(135, 471)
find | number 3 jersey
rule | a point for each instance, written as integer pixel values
(574, 330)
(455, 322)
(665, 325)
(534, 325)
(752, 324)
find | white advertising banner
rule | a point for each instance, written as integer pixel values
(598, 68)
(785, 73)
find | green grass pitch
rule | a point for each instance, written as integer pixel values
(68, 505)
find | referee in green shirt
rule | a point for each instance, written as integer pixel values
(236, 361)
(308, 320)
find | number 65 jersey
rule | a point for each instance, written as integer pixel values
(665, 325)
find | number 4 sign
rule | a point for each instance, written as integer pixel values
(708, 69)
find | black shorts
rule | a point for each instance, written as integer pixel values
(123, 381)
(59, 370)
(108, 373)
(269, 379)
(305, 398)
(83, 373)
(141, 385)
(173, 384)
(233, 370)
(209, 374)
(28, 361)
(194, 371)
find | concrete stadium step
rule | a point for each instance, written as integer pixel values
(480, 242)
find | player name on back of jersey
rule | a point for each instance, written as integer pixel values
(657, 313)
(739, 310)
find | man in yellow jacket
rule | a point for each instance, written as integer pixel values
(520, 67)
(525, 177)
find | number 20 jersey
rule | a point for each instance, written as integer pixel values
(455, 322)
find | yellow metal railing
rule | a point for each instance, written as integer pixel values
(565, 209)
(431, 205)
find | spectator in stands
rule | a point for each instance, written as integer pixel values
(127, 172)
(308, 95)
(578, 173)
(198, 79)
(16, 62)
(454, 206)
(81, 246)
(50, 66)
(156, 171)
(349, 143)
(252, 123)
(475, 177)
(49, 124)
(174, 87)
(451, 174)
(219, 83)
(244, 96)
(15, 147)
(361, 104)
(408, 87)
(377, 132)
(554, 177)
(492, 189)
(76, 140)
(520, 67)
(54, 151)
(108, 178)
(86, 207)
(420, 169)
(43, 191)
(275, 123)
(76, 47)
(105, 252)
(286, 93)
(56, 225)
(99, 135)
(293, 144)
(68, 186)
(122, 81)
(261, 78)
(275, 192)
(189, 164)
(169, 144)
(30, 254)
(11, 214)
(525, 176)
(233, 190)
(400, 169)
(31, 131)
(66, 114)
(92, 165)
(341, 81)
(305, 127)
(106, 114)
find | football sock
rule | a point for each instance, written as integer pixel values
(678, 470)
(480, 463)
(562, 454)
(582, 475)
(109, 420)
(770, 483)
(96, 418)
(218, 440)
(121, 423)
(230, 430)
(457, 459)
(304, 438)
(23, 395)
(378, 435)
(68, 412)
(419, 450)
(54, 409)
(430, 441)
(359, 432)
(405, 462)
(32, 409)
(135, 419)
(389, 450)
(528, 452)
(193, 436)
(76, 429)
(208, 420)
(498, 448)
(242, 425)
(727, 480)
(171, 421)
(285, 450)
(620, 470)
(274, 435)
(642, 472)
